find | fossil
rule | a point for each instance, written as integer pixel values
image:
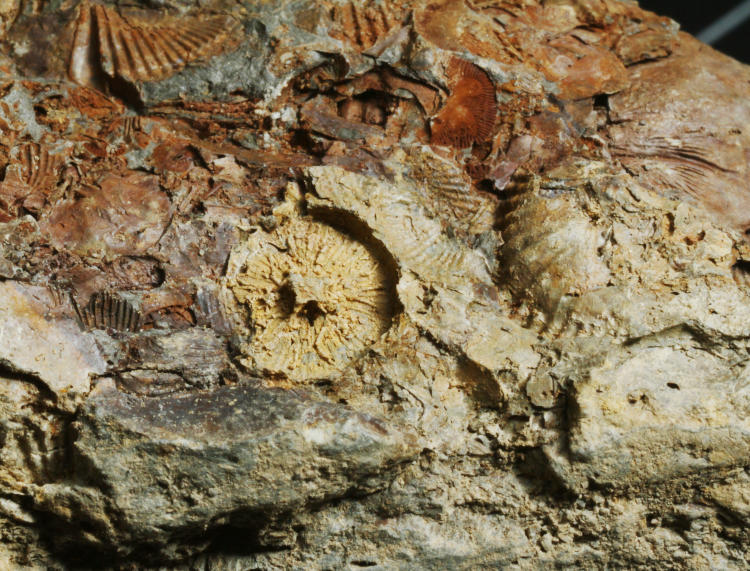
(310, 298)
(397, 285)
(30, 179)
(450, 189)
(363, 23)
(108, 311)
(469, 113)
(139, 50)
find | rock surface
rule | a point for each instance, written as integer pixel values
(443, 284)
(148, 470)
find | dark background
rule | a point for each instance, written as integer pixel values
(695, 15)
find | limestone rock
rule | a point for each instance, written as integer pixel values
(667, 408)
(400, 285)
(734, 498)
(147, 470)
(48, 352)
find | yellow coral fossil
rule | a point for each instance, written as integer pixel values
(316, 298)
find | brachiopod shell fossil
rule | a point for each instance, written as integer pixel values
(315, 296)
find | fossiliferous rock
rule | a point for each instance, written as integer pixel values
(442, 284)
(316, 299)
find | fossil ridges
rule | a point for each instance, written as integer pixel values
(106, 310)
(456, 201)
(31, 178)
(363, 23)
(469, 113)
(315, 298)
(587, 340)
(145, 51)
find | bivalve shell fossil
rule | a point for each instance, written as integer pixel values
(314, 298)
(136, 50)
(468, 116)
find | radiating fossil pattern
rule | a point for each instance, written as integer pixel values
(136, 50)
(404, 221)
(108, 311)
(39, 168)
(445, 183)
(686, 164)
(316, 298)
(364, 23)
(469, 113)
(32, 176)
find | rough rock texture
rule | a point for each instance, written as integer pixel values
(444, 284)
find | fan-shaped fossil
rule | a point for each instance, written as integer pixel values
(316, 298)
(107, 311)
(469, 114)
(33, 176)
(364, 23)
(39, 168)
(447, 185)
(143, 51)
(697, 164)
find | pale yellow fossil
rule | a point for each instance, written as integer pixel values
(313, 296)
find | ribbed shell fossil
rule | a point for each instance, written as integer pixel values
(469, 113)
(144, 51)
(364, 23)
(30, 178)
(450, 189)
(108, 311)
(316, 298)
(39, 168)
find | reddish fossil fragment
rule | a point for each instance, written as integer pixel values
(684, 146)
(122, 214)
(143, 51)
(370, 110)
(132, 272)
(364, 23)
(30, 179)
(469, 114)
(582, 46)
(581, 70)
(438, 21)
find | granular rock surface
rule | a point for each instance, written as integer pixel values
(443, 284)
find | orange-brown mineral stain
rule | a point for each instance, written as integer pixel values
(468, 116)
(119, 214)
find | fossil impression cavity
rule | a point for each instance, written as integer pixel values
(309, 297)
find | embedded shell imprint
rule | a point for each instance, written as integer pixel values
(469, 114)
(384, 284)
(364, 23)
(137, 50)
(315, 298)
